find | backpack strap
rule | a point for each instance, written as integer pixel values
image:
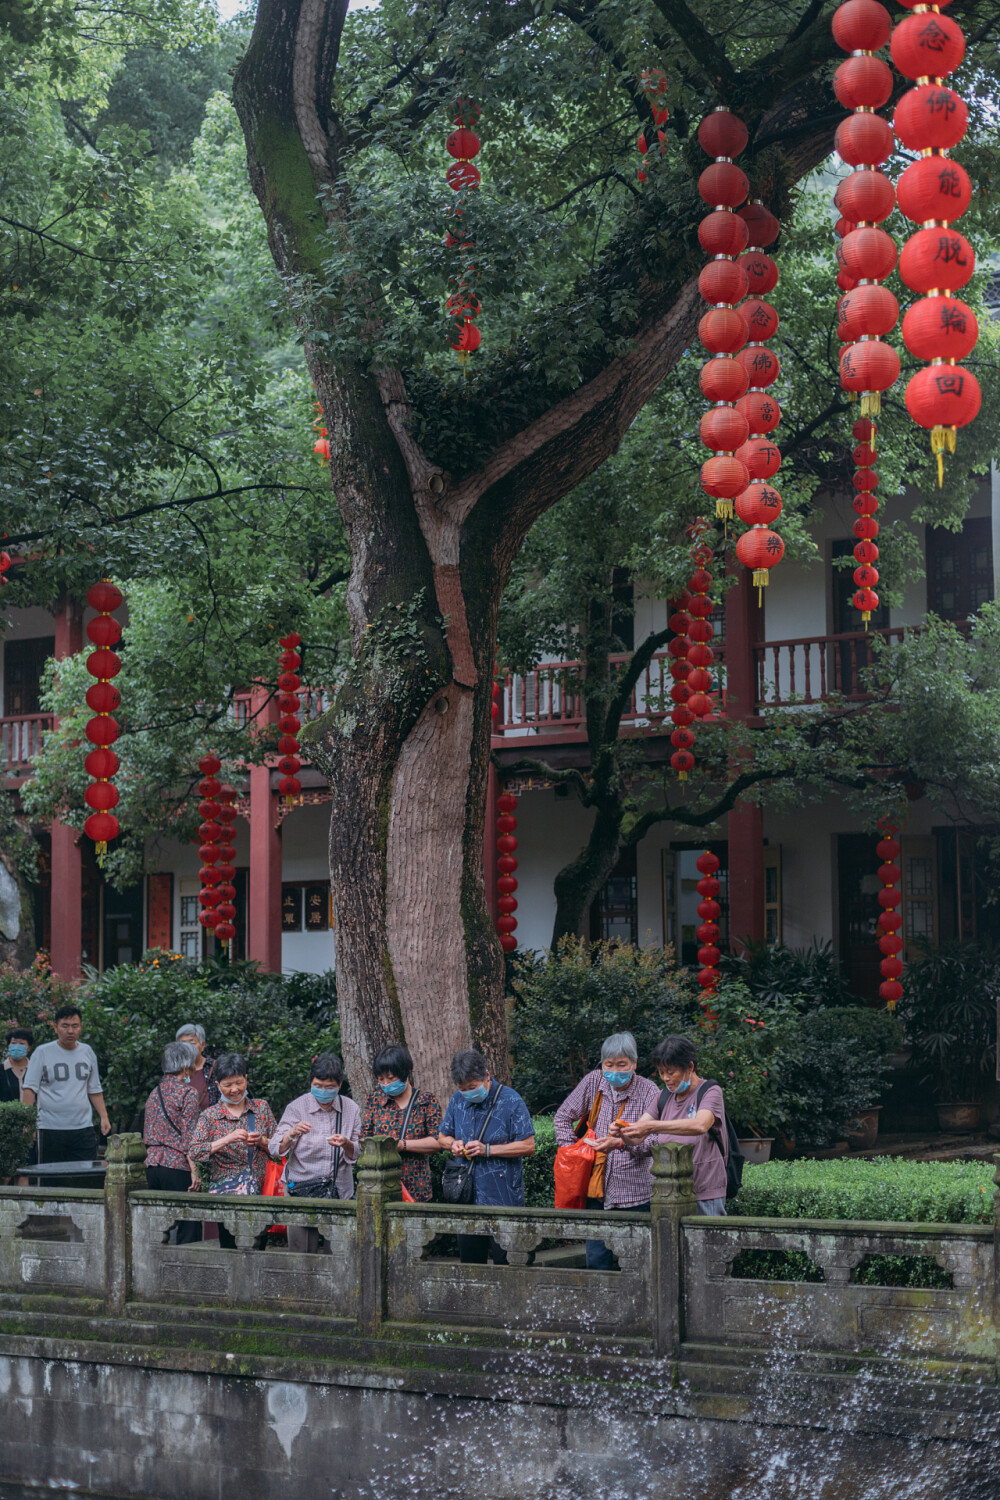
(716, 1130)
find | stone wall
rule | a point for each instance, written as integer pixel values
(134, 1367)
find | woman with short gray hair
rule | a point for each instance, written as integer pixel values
(613, 1094)
(203, 1079)
(169, 1118)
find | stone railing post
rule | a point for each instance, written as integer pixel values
(379, 1183)
(672, 1198)
(124, 1174)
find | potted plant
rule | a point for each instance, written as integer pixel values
(949, 1009)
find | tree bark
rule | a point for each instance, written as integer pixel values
(406, 744)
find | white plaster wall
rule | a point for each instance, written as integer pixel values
(550, 831)
(305, 836)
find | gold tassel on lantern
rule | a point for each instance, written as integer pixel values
(724, 510)
(942, 439)
(871, 404)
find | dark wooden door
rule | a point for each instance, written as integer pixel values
(22, 674)
(960, 569)
(858, 888)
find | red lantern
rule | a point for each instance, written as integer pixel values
(723, 379)
(723, 233)
(870, 366)
(934, 188)
(463, 177)
(861, 26)
(321, 447)
(889, 897)
(761, 457)
(101, 827)
(867, 312)
(866, 197)
(722, 134)
(759, 504)
(722, 331)
(863, 82)
(864, 140)
(724, 477)
(867, 254)
(723, 185)
(723, 428)
(761, 365)
(289, 684)
(760, 318)
(762, 226)
(761, 272)
(943, 397)
(927, 46)
(931, 117)
(761, 412)
(940, 328)
(723, 281)
(937, 260)
(760, 550)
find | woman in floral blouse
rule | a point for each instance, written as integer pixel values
(395, 1103)
(232, 1136)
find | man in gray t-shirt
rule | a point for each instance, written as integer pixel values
(62, 1079)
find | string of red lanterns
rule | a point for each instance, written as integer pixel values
(463, 177)
(289, 724)
(723, 235)
(691, 654)
(506, 865)
(103, 730)
(866, 310)
(209, 834)
(653, 82)
(890, 920)
(936, 261)
(866, 254)
(225, 928)
(709, 931)
(682, 738)
(759, 505)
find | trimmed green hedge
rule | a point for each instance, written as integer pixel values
(886, 1189)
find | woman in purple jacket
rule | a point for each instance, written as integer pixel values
(684, 1117)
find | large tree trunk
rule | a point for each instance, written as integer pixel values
(406, 744)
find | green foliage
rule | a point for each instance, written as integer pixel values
(539, 1188)
(875, 1270)
(131, 1012)
(567, 1002)
(773, 974)
(885, 1190)
(30, 997)
(949, 1009)
(17, 1134)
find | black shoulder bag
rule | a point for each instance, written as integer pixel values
(457, 1181)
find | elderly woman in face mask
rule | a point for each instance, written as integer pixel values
(607, 1098)
(693, 1112)
(231, 1137)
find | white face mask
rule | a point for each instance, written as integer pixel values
(235, 1103)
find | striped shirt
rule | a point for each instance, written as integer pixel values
(628, 1175)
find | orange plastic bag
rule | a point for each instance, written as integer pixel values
(573, 1167)
(274, 1188)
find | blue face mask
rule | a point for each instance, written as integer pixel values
(475, 1096)
(17, 1050)
(617, 1080)
(394, 1089)
(682, 1088)
(324, 1096)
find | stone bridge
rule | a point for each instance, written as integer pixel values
(131, 1366)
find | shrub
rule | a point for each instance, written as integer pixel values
(808, 977)
(949, 1008)
(17, 1133)
(30, 997)
(885, 1189)
(568, 1000)
(830, 1065)
(132, 1011)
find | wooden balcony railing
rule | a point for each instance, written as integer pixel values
(809, 670)
(21, 738)
(549, 699)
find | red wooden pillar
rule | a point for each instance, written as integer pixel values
(67, 869)
(746, 822)
(490, 842)
(264, 892)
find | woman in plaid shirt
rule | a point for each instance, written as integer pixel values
(626, 1096)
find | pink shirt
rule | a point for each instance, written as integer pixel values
(312, 1156)
(708, 1160)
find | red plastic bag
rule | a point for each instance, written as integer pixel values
(274, 1188)
(407, 1195)
(572, 1169)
